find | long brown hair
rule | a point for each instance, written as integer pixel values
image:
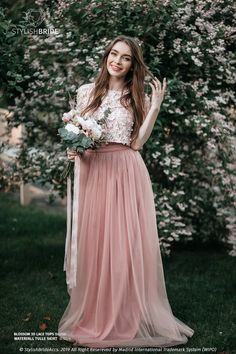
(134, 99)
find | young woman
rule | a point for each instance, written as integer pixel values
(114, 267)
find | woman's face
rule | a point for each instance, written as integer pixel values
(119, 60)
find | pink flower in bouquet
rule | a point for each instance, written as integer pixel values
(66, 119)
(68, 116)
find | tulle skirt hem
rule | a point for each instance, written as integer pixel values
(159, 341)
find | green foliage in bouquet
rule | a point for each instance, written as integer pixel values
(78, 143)
(75, 142)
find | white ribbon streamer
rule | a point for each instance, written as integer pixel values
(70, 259)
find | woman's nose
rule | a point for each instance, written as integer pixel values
(117, 60)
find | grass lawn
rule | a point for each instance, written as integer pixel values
(200, 285)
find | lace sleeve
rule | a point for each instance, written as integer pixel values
(147, 104)
(82, 96)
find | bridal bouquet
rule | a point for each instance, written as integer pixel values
(80, 134)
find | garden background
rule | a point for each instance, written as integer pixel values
(48, 49)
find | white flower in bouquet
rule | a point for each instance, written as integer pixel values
(72, 128)
(80, 134)
(90, 127)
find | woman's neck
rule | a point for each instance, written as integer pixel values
(116, 85)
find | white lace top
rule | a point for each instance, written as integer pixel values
(119, 121)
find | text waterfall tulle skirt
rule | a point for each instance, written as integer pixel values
(120, 298)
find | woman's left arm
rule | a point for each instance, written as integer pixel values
(146, 128)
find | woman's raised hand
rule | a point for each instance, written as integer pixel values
(158, 92)
(71, 154)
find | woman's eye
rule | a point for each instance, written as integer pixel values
(124, 58)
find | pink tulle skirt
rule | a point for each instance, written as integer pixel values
(120, 297)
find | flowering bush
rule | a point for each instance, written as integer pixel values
(190, 154)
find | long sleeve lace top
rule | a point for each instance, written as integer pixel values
(119, 121)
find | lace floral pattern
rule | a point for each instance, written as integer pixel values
(119, 121)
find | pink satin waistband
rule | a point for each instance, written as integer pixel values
(109, 148)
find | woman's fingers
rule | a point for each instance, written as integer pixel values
(152, 86)
(158, 91)
(164, 85)
(71, 154)
(158, 82)
(70, 151)
(157, 85)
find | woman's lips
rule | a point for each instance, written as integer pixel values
(115, 68)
